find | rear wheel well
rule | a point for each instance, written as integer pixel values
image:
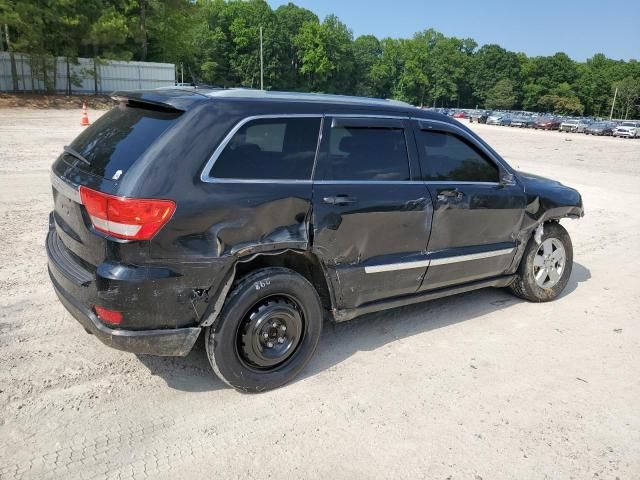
(303, 263)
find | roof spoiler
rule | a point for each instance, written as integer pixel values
(168, 100)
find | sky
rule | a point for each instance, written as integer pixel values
(580, 28)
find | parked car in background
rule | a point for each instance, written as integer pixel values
(499, 118)
(627, 129)
(479, 116)
(459, 115)
(569, 125)
(546, 123)
(600, 128)
(506, 120)
(583, 123)
(494, 118)
(522, 121)
(280, 210)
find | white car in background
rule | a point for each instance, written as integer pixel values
(627, 129)
(574, 125)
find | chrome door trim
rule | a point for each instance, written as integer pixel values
(470, 256)
(452, 182)
(389, 267)
(367, 182)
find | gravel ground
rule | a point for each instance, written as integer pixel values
(478, 386)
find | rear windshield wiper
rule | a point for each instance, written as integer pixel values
(76, 154)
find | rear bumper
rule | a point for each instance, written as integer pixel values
(166, 342)
(79, 290)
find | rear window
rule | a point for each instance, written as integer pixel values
(270, 149)
(118, 138)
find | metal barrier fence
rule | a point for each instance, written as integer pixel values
(30, 73)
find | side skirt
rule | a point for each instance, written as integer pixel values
(350, 313)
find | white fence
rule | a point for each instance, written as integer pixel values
(48, 74)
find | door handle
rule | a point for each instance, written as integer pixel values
(453, 194)
(340, 200)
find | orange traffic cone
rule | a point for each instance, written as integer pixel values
(85, 118)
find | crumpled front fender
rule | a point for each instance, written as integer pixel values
(546, 200)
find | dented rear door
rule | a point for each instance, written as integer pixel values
(371, 222)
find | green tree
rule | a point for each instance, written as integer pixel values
(450, 61)
(367, 51)
(628, 96)
(217, 42)
(384, 75)
(290, 19)
(490, 64)
(501, 95)
(326, 56)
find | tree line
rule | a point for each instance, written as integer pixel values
(216, 42)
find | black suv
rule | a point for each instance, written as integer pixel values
(252, 215)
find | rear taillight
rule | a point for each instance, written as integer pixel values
(127, 218)
(108, 316)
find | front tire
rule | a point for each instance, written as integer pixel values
(267, 330)
(545, 269)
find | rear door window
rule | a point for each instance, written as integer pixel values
(118, 138)
(365, 154)
(448, 157)
(270, 149)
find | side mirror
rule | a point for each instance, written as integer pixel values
(507, 178)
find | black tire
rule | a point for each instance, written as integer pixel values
(234, 342)
(524, 285)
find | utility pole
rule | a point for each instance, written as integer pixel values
(614, 103)
(261, 63)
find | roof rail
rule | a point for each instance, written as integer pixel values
(300, 96)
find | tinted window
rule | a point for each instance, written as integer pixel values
(356, 153)
(447, 157)
(119, 138)
(271, 149)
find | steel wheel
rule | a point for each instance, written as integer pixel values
(549, 263)
(270, 333)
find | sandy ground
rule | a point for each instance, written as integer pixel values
(479, 386)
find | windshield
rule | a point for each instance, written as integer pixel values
(628, 124)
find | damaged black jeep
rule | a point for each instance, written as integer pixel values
(250, 216)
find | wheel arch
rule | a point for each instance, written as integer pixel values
(302, 262)
(530, 233)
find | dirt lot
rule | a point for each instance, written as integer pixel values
(479, 386)
(38, 101)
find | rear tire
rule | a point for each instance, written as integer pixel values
(267, 330)
(545, 269)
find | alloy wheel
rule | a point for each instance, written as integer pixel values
(549, 263)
